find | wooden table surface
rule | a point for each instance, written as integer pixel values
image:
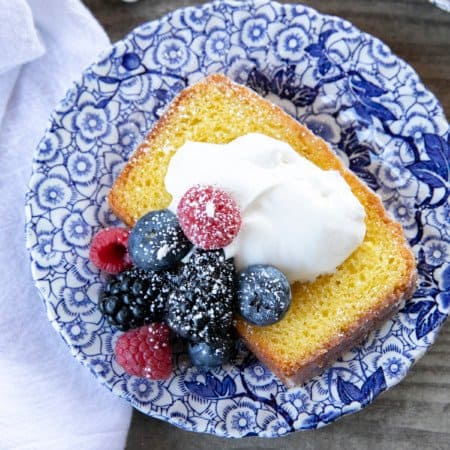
(416, 413)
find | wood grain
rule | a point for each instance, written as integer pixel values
(416, 413)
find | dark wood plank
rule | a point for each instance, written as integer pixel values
(413, 415)
(416, 413)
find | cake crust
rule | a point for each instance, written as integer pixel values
(298, 371)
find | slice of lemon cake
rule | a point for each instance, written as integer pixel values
(328, 315)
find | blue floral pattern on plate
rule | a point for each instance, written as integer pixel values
(346, 86)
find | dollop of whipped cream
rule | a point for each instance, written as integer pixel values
(295, 216)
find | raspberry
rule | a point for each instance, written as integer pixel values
(145, 352)
(109, 251)
(209, 217)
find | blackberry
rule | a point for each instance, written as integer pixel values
(201, 306)
(134, 298)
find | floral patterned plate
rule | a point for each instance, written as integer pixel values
(443, 4)
(347, 87)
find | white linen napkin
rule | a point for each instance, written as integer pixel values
(47, 399)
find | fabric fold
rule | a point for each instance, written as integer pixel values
(48, 399)
(19, 37)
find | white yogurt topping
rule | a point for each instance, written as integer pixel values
(295, 216)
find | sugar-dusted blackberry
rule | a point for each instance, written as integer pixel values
(135, 297)
(201, 305)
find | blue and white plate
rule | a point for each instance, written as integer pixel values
(443, 4)
(347, 87)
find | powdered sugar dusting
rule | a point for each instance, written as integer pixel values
(201, 307)
(210, 209)
(162, 252)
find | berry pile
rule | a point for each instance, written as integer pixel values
(171, 273)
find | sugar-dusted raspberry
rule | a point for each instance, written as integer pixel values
(109, 251)
(209, 217)
(146, 352)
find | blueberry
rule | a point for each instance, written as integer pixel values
(263, 294)
(207, 356)
(157, 241)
